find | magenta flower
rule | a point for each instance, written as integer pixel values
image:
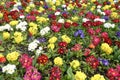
(32, 74)
(26, 61)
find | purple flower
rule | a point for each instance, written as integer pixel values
(105, 62)
(46, 7)
(79, 32)
(19, 7)
(76, 33)
(118, 34)
(41, 40)
(106, 18)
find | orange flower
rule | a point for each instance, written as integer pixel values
(92, 46)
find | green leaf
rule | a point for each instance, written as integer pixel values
(70, 74)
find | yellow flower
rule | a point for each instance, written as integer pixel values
(53, 7)
(27, 9)
(1, 55)
(51, 46)
(31, 24)
(75, 64)
(33, 30)
(80, 75)
(114, 15)
(52, 40)
(41, 19)
(113, 9)
(106, 7)
(13, 23)
(58, 3)
(97, 77)
(58, 61)
(69, 21)
(32, 5)
(93, 0)
(41, 9)
(6, 35)
(18, 37)
(12, 56)
(66, 38)
(75, 18)
(106, 48)
(70, 7)
(1, 15)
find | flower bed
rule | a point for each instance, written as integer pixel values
(60, 40)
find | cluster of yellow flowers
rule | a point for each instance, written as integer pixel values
(51, 42)
(80, 76)
(12, 56)
(13, 23)
(75, 64)
(106, 48)
(30, 7)
(6, 35)
(41, 19)
(33, 28)
(18, 37)
(97, 77)
(66, 38)
(114, 15)
(58, 61)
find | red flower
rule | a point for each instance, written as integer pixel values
(117, 43)
(53, 16)
(75, 24)
(104, 35)
(2, 59)
(43, 59)
(98, 30)
(91, 31)
(62, 44)
(96, 40)
(76, 47)
(61, 51)
(116, 20)
(87, 24)
(67, 24)
(108, 40)
(56, 27)
(92, 61)
(55, 73)
(65, 15)
(87, 52)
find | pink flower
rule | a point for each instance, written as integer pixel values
(96, 40)
(32, 74)
(87, 52)
(107, 12)
(26, 61)
(91, 31)
(76, 47)
(104, 35)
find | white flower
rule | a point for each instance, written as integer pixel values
(22, 16)
(98, 19)
(57, 13)
(33, 45)
(61, 20)
(85, 20)
(9, 68)
(103, 13)
(44, 30)
(109, 25)
(64, 6)
(99, 6)
(22, 26)
(99, 10)
(6, 27)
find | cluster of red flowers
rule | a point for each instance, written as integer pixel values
(92, 61)
(114, 74)
(42, 59)
(55, 73)
(63, 47)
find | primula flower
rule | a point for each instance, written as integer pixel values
(2, 58)
(76, 47)
(51, 46)
(55, 73)
(32, 74)
(97, 77)
(80, 75)
(18, 37)
(96, 40)
(106, 48)
(92, 61)
(6, 35)
(52, 40)
(58, 61)
(75, 64)
(9, 69)
(14, 23)
(62, 44)
(66, 38)
(25, 60)
(42, 59)
(13, 56)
